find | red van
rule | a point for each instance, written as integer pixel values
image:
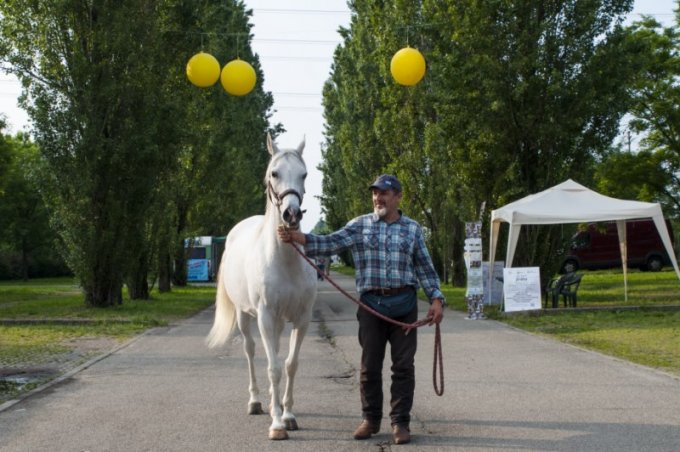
(598, 247)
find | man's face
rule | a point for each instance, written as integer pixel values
(385, 202)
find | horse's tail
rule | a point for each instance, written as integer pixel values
(225, 318)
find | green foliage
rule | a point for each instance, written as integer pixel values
(28, 246)
(652, 173)
(134, 156)
(5, 156)
(518, 96)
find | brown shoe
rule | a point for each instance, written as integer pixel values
(401, 434)
(366, 429)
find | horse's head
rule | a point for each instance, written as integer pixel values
(285, 181)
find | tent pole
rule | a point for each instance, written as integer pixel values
(621, 229)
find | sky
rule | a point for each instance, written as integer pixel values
(295, 41)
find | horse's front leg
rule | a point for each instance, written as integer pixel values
(244, 324)
(270, 330)
(296, 337)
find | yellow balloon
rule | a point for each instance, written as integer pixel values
(238, 78)
(407, 66)
(203, 70)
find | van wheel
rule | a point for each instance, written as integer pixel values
(654, 264)
(569, 266)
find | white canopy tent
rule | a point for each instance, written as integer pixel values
(570, 202)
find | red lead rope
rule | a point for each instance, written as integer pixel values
(438, 388)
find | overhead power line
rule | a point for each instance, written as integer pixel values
(281, 93)
(297, 41)
(300, 11)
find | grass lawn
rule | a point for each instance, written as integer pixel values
(644, 337)
(651, 338)
(605, 288)
(62, 299)
(49, 349)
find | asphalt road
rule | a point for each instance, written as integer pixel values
(504, 390)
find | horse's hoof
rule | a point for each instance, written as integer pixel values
(291, 424)
(255, 408)
(278, 434)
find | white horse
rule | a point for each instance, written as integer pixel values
(264, 278)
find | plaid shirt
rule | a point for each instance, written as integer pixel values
(385, 255)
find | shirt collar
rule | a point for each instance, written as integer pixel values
(375, 218)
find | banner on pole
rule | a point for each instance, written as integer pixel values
(474, 295)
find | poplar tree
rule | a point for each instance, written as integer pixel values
(518, 96)
(129, 146)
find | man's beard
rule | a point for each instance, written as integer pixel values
(380, 211)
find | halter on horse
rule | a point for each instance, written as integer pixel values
(263, 278)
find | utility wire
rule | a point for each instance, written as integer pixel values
(300, 11)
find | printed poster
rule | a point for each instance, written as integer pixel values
(522, 288)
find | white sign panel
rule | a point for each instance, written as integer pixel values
(495, 295)
(522, 288)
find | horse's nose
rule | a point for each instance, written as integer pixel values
(292, 215)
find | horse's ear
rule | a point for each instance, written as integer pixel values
(301, 146)
(271, 147)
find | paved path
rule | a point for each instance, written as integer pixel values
(505, 389)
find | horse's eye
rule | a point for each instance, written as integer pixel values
(304, 176)
(275, 174)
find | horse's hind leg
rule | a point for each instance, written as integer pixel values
(296, 337)
(244, 324)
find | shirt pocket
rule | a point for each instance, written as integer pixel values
(405, 243)
(371, 239)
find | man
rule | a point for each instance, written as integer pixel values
(391, 259)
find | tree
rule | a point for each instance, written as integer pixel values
(5, 155)
(653, 173)
(221, 147)
(125, 139)
(518, 96)
(27, 244)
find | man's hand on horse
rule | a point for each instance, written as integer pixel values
(436, 312)
(288, 235)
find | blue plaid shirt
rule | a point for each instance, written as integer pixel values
(385, 255)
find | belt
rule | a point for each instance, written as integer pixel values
(390, 290)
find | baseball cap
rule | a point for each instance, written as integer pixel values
(386, 182)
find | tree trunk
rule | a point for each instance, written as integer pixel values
(103, 294)
(164, 271)
(459, 272)
(179, 275)
(24, 259)
(137, 282)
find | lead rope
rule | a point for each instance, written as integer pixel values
(438, 388)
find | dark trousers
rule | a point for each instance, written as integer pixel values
(374, 334)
